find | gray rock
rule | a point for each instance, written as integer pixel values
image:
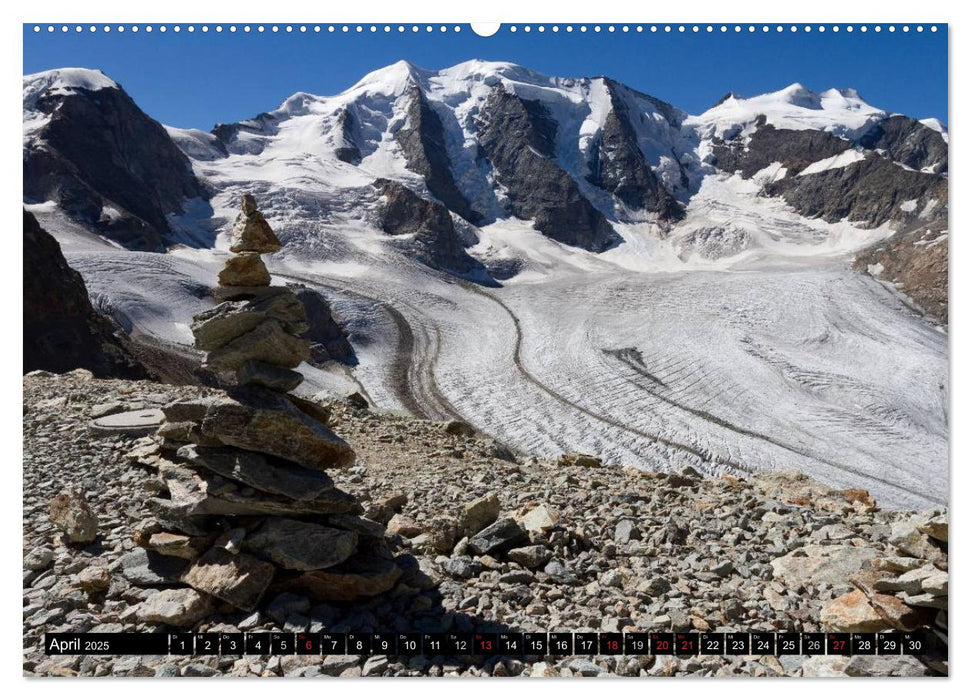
(286, 604)
(264, 473)
(625, 531)
(264, 374)
(460, 567)
(532, 557)
(178, 607)
(38, 559)
(559, 572)
(301, 546)
(266, 422)
(146, 569)
(815, 563)
(268, 342)
(499, 537)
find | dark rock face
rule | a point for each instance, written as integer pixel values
(794, 148)
(422, 141)
(328, 341)
(61, 329)
(868, 192)
(100, 151)
(228, 134)
(915, 261)
(348, 151)
(434, 240)
(519, 138)
(620, 168)
(909, 142)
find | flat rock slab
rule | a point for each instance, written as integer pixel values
(361, 576)
(144, 568)
(238, 579)
(144, 422)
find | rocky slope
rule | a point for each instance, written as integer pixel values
(488, 540)
(62, 331)
(915, 262)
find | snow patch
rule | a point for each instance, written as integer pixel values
(840, 160)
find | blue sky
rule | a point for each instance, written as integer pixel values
(198, 80)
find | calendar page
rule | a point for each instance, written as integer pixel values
(513, 350)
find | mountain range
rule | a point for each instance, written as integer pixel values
(430, 160)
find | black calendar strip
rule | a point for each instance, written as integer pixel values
(487, 644)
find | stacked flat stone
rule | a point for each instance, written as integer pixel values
(247, 506)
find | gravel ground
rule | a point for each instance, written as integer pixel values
(592, 549)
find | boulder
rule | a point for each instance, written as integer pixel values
(268, 342)
(244, 270)
(384, 508)
(301, 546)
(478, 514)
(361, 576)
(178, 607)
(404, 526)
(935, 528)
(907, 536)
(267, 474)
(499, 537)
(73, 516)
(239, 579)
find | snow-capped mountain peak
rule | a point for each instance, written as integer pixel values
(839, 111)
(67, 79)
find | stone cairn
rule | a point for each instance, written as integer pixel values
(245, 504)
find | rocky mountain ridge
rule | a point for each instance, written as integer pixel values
(579, 159)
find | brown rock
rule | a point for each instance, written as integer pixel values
(478, 514)
(251, 233)
(174, 544)
(244, 270)
(383, 509)
(361, 576)
(266, 422)
(404, 526)
(268, 342)
(851, 612)
(898, 614)
(94, 579)
(239, 579)
(74, 517)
